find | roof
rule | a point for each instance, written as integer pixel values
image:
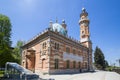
(48, 32)
(56, 27)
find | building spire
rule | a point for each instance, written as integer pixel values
(56, 20)
(63, 21)
(83, 9)
(50, 23)
(84, 25)
(64, 24)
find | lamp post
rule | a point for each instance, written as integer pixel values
(118, 60)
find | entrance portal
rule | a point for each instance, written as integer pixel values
(30, 60)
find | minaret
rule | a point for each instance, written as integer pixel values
(84, 28)
(85, 34)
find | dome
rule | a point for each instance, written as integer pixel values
(58, 28)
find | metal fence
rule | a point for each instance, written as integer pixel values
(2, 69)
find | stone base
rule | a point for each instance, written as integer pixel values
(65, 71)
(41, 72)
(59, 71)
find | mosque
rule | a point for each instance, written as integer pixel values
(53, 51)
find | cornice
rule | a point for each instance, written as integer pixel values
(48, 33)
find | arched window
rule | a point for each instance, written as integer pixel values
(57, 46)
(67, 64)
(67, 49)
(74, 64)
(44, 45)
(74, 52)
(82, 32)
(79, 64)
(56, 63)
(85, 64)
(43, 63)
(80, 52)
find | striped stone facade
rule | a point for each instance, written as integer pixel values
(51, 52)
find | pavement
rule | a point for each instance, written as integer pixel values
(97, 75)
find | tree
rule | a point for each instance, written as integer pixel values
(99, 59)
(17, 51)
(106, 63)
(5, 31)
(5, 40)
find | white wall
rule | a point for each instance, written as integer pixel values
(71, 56)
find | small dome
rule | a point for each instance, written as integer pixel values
(63, 21)
(58, 28)
(84, 12)
(83, 9)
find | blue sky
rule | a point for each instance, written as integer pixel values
(29, 17)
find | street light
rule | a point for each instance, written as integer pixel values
(118, 60)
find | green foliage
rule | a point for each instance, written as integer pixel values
(113, 68)
(106, 63)
(5, 42)
(1, 73)
(5, 32)
(99, 59)
(109, 69)
(17, 51)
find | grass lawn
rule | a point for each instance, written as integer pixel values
(1, 73)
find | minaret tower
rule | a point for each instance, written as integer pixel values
(85, 34)
(84, 28)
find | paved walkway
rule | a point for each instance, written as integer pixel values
(99, 75)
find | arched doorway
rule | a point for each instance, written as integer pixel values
(30, 60)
